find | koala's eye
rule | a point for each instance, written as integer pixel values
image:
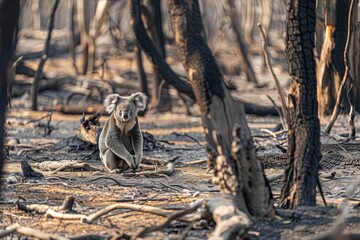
(131, 110)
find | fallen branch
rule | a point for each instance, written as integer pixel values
(43, 208)
(36, 233)
(30, 232)
(94, 216)
(68, 165)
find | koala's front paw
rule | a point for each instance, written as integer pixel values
(137, 160)
(114, 171)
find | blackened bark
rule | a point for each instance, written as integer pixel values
(9, 16)
(299, 183)
(237, 171)
(330, 80)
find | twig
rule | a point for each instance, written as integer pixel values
(273, 76)
(44, 56)
(281, 115)
(190, 137)
(163, 225)
(48, 128)
(351, 119)
(39, 119)
(321, 191)
(336, 110)
(171, 187)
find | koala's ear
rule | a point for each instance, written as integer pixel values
(111, 101)
(140, 100)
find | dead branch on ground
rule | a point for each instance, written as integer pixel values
(38, 234)
(43, 208)
(64, 165)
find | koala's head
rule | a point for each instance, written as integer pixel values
(125, 108)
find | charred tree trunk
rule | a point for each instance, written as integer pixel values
(300, 178)
(9, 16)
(237, 171)
(331, 67)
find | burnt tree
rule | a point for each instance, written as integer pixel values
(241, 46)
(300, 178)
(9, 16)
(44, 56)
(181, 85)
(160, 97)
(331, 67)
(237, 171)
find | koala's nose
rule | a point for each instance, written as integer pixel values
(126, 114)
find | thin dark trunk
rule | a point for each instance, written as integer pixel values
(237, 171)
(140, 71)
(160, 92)
(44, 56)
(242, 53)
(73, 38)
(300, 178)
(9, 16)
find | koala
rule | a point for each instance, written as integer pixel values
(121, 140)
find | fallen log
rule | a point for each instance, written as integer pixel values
(43, 208)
